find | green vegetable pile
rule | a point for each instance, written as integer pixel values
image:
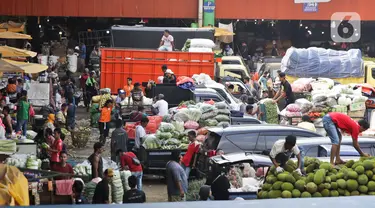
(350, 179)
(83, 170)
(32, 162)
(8, 146)
(272, 116)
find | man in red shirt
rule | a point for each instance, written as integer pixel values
(129, 161)
(56, 147)
(333, 123)
(63, 167)
(188, 160)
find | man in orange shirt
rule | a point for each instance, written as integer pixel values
(105, 118)
(129, 86)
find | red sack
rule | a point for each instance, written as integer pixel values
(153, 124)
(202, 131)
(211, 102)
(130, 130)
(183, 79)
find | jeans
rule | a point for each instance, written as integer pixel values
(331, 129)
(22, 124)
(302, 154)
(186, 169)
(139, 179)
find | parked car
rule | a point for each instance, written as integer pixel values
(312, 147)
(345, 150)
(257, 139)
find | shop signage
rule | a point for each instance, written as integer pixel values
(209, 6)
(310, 7)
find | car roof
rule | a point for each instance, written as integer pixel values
(325, 140)
(204, 89)
(232, 66)
(255, 127)
(231, 58)
(328, 159)
(214, 85)
(258, 160)
(344, 150)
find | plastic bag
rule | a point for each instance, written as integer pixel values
(221, 118)
(202, 131)
(166, 127)
(223, 112)
(293, 114)
(331, 102)
(151, 142)
(209, 115)
(223, 124)
(293, 108)
(221, 105)
(206, 108)
(181, 115)
(211, 122)
(172, 141)
(359, 99)
(194, 114)
(319, 98)
(167, 118)
(191, 125)
(163, 135)
(344, 101)
(179, 126)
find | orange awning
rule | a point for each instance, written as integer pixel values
(12, 27)
(11, 52)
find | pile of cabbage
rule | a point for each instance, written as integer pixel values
(117, 188)
(24, 161)
(84, 168)
(8, 146)
(270, 111)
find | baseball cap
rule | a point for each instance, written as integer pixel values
(121, 92)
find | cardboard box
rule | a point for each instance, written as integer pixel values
(357, 107)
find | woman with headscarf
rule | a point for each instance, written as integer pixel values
(50, 123)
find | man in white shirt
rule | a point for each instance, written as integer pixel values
(306, 124)
(140, 132)
(161, 105)
(281, 152)
(167, 42)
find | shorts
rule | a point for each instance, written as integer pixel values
(331, 129)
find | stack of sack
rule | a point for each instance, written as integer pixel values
(117, 188)
(198, 45)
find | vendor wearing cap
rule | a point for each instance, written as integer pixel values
(169, 78)
(121, 96)
(101, 194)
(285, 91)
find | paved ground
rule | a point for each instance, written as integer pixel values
(153, 186)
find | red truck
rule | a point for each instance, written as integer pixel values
(144, 65)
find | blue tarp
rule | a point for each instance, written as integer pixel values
(320, 62)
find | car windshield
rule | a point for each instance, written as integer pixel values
(212, 141)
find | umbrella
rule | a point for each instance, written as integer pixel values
(13, 35)
(30, 68)
(9, 52)
(5, 66)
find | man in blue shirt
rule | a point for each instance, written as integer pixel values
(177, 183)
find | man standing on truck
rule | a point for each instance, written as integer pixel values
(285, 91)
(281, 152)
(334, 123)
(137, 95)
(129, 86)
(169, 77)
(189, 159)
(167, 42)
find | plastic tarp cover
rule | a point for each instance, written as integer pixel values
(318, 62)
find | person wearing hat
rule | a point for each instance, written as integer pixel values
(101, 194)
(137, 95)
(285, 91)
(169, 78)
(121, 96)
(161, 105)
(129, 86)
